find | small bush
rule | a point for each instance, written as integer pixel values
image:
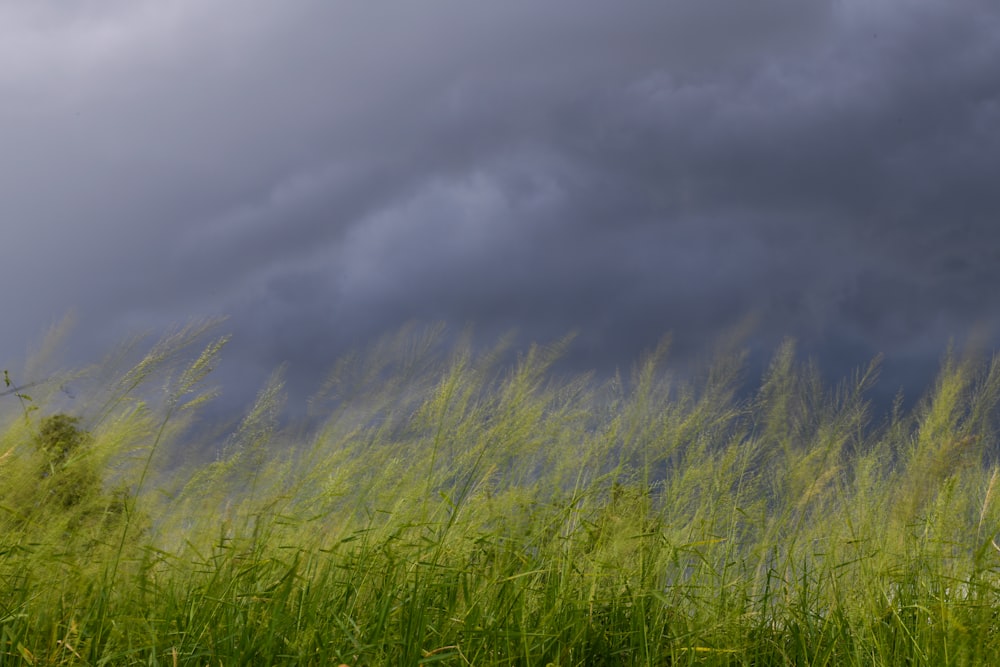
(59, 436)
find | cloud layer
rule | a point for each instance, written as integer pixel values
(323, 172)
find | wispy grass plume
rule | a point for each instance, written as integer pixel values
(478, 507)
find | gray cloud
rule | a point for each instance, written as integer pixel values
(323, 172)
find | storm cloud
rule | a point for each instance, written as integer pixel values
(323, 172)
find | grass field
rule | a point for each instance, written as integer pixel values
(478, 508)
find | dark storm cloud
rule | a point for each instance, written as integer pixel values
(325, 171)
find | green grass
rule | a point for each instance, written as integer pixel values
(459, 508)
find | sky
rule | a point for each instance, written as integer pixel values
(324, 171)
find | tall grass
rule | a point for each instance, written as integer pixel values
(477, 507)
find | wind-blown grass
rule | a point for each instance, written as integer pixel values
(454, 508)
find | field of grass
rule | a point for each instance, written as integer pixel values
(467, 507)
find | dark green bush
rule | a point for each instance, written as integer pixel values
(70, 481)
(59, 437)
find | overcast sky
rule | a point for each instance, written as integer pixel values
(323, 171)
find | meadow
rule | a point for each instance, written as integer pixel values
(462, 506)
